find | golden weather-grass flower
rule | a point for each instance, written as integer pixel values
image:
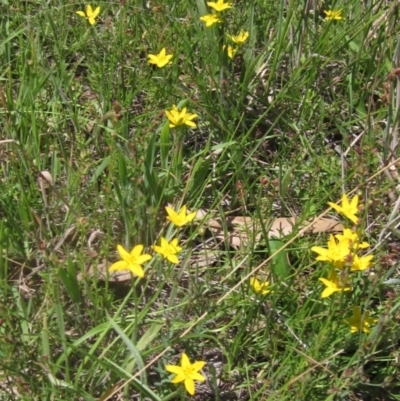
(347, 209)
(353, 238)
(360, 322)
(240, 38)
(132, 260)
(219, 5)
(230, 51)
(177, 118)
(336, 253)
(180, 218)
(332, 284)
(168, 250)
(187, 373)
(161, 59)
(259, 287)
(333, 15)
(90, 14)
(361, 263)
(210, 19)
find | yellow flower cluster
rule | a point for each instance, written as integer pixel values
(341, 254)
(215, 17)
(218, 7)
(134, 260)
(188, 372)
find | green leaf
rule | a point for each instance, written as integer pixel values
(165, 145)
(100, 169)
(280, 262)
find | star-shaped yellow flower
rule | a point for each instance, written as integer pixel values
(361, 263)
(161, 59)
(182, 117)
(239, 39)
(231, 51)
(210, 19)
(131, 261)
(259, 287)
(90, 15)
(333, 15)
(219, 5)
(347, 209)
(358, 322)
(187, 373)
(168, 250)
(336, 253)
(353, 238)
(332, 284)
(179, 219)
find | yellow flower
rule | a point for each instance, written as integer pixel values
(230, 51)
(353, 238)
(333, 15)
(336, 253)
(90, 14)
(332, 284)
(358, 322)
(258, 287)
(131, 261)
(210, 19)
(182, 117)
(361, 263)
(348, 209)
(239, 39)
(180, 219)
(187, 372)
(161, 59)
(219, 5)
(168, 250)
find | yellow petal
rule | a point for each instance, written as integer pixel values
(81, 13)
(174, 243)
(96, 12)
(143, 259)
(327, 283)
(338, 208)
(137, 270)
(327, 292)
(173, 259)
(137, 250)
(152, 58)
(254, 282)
(189, 385)
(198, 366)
(174, 369)
(117, 266)
(124, 255)
(354, 202)
(197, 376)
(178, 379)
(185, 362)
(170, 117)
(191, 216)
(190, 124)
